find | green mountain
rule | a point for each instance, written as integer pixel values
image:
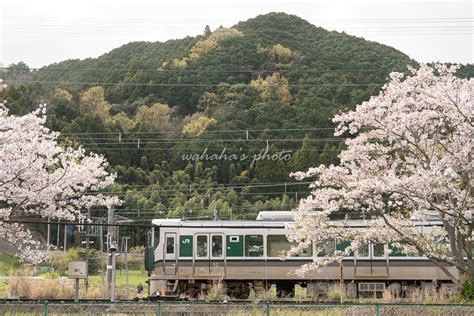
(235, 59)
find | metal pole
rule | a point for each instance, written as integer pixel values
(102, 255)
(158, 309)
(341, 280)
(126, 263)
(57, 237)
(112, 285)
(86, 281)
(65, 238)
(49, 233)
(76, 297)
(111, 248)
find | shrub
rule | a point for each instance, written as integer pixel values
(94, 255)
(60, 261)
(334, 294)
(51, 275)
(217, 292)
(467, 290)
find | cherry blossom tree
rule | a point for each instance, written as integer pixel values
(408, 160)
(39, 177)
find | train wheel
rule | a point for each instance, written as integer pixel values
(241, 291)
(285, 290)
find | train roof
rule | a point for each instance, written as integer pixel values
(266, 220)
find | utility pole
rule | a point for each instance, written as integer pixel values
(49, 233)
(57, 236)
(102, 253)
(125, 246)
(111, 251)
(113, 256)
(88, 231)
(65, 238)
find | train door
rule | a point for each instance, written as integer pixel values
(217, 260)
(169, 254)
(209, 256)
(371, 261)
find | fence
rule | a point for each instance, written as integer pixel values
(237, 309)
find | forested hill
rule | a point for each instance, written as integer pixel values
(158, 111)
(235, 55)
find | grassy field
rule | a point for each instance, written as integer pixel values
(7, 263)
(135, 277)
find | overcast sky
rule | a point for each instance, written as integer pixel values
(47, 31)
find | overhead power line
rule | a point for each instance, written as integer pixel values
(143, 19)
(38, 222)
(208, 131)
(248, 186)
(310, 70)
(195, 85)
(215, 184)
(217, 140)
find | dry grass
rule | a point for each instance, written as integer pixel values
(24, 287)
(216, 292)
(265, 296)
(18, 283)
(334, 293)
(95, 292)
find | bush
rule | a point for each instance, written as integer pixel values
(95, 259)
(467, 290)
(217, 292)
(51, 275)
(60, 261)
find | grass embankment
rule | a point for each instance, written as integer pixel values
(7, 263)
(135, 277)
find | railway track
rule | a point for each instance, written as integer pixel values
(164, 299)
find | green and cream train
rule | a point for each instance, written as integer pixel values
(190, 255)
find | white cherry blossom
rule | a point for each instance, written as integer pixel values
(41, 178)
(408, 160)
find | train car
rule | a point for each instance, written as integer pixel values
(188, 256)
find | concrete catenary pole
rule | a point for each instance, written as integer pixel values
(111, 251)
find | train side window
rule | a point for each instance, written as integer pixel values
(253, 245)
(201, 246)
(379, 250)
(363, 251)
(326, 248)
(170, 245)
(278, 245)
(234, 239)
(216, 245)
(395, 251)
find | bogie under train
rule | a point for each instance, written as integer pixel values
(191, 255)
